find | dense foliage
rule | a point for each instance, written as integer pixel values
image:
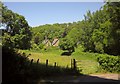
(109, 63)
(114, 14)
(67, 44)
(99, 31)
(16, 27)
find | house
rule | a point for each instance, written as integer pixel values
(47, 42)
(55, 42)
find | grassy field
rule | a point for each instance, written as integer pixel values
(87, 63)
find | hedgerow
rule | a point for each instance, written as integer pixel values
(109, 63)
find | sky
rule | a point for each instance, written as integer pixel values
(40, 13)
(55, 0)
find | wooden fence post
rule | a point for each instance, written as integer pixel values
(37, 61)
(67, 66)
(31, 62)
(55, 64)
(71, 64)
(74, 64)
(46, 62)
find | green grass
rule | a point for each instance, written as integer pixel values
(52, 56)
(87, 61)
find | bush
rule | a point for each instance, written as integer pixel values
(41, 46)
(109, 63)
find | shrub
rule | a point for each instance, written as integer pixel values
(109, 63)
(41, 46)
(35, 46)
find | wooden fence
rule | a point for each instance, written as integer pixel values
(46, 62)
(73, 63)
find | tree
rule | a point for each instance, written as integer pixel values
(16, 26)
(101, 32)
(67, 44)
(13, 22)
(38, 38)
(113, 10)
(49, 31)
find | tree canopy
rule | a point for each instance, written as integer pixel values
(17, 27)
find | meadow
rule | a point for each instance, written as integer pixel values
(85, 60)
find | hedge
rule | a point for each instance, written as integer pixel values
(109, 63)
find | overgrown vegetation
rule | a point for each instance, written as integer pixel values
(109, 63)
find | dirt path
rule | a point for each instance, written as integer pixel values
(84, 78)
(108, 76)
